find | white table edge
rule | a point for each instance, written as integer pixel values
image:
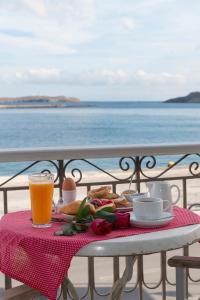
(146, 243)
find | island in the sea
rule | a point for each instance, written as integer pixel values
(193, 97)
(36, 101)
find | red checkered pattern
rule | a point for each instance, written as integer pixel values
(39, 259)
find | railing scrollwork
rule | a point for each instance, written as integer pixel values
(124, 165)
(138, 167)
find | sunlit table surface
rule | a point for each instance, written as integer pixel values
(133, 246)
(144, 243)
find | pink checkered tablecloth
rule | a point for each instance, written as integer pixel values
(39, 259)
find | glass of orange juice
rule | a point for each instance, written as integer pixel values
(41, 187)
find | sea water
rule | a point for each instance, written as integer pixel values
(99, 124)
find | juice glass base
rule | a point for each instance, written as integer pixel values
(41, 225)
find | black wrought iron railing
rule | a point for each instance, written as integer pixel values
(115, 166)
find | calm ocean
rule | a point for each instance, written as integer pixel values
(99, 123)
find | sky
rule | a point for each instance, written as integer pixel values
(100, 49)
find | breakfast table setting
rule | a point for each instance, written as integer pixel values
(37, 246)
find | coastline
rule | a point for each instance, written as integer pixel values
(36, 101)
(58, 105)
(12, 106)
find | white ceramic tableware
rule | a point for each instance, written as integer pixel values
(163, 190)
(149, 208)
(128, 194)
(69, 196)
(68, 190)
(166, 219)
(140, 195)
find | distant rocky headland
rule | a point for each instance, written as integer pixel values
(36, 101)
(190, 98)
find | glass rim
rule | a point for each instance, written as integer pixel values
(40, 176)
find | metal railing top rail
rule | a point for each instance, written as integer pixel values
(62, 153)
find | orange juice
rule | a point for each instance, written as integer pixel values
(41, 194)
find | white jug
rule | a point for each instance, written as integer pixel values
(163, 190)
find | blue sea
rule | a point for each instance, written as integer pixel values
(92, 123)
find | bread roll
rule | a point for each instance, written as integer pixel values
(112, 196)
(99, 193)
(121, 202)
(72, 208)
(104, 192)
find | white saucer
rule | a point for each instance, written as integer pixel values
(164, 220)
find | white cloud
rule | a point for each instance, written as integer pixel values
(128, 23)
(37, 6)
(105, 77)
(55, 26)
(149, 6)
(97, 77)
(40, 45)
(125, 77)
(160, 78)
(41, 74)
(117, 61)
(141, 44)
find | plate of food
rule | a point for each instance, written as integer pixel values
(72, 208)
(120, 203)
(98, 199)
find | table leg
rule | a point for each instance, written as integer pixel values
(68, 286)
(120, 284)
(91, 277)
(116, 270)
(140, 276)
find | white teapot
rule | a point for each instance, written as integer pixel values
(163, 190)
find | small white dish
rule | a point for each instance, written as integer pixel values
(166, 218)
(128, 194)
(138, 196)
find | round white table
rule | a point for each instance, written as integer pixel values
(144, 243)
(132, 246)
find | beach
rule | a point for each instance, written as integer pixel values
(19, 200)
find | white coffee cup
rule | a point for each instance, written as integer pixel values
(140, 195)
(149, 208)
